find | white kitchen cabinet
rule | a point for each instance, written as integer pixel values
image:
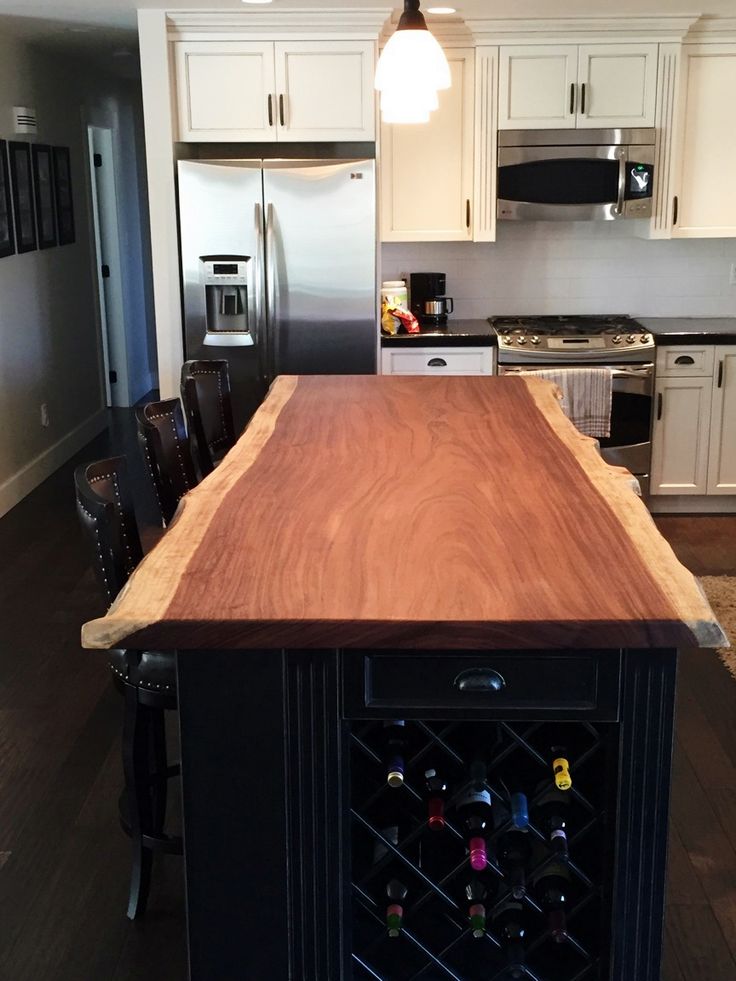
(246, 91)
(694, 432)
(568, 86)
(705, 189)
(427, 170)
(437, 360)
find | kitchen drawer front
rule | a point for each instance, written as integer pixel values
(497, 685)
(688, 361)
(437, 361)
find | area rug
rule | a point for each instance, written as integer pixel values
(721, 593)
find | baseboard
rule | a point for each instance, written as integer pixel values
(15, 488)
(695, 504)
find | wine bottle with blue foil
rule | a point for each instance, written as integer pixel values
(394, 751)
(513, 847)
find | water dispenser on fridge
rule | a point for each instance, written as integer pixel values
(228, 294)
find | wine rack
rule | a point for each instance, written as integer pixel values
(436, 942)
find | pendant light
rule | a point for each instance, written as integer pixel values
(411, 70)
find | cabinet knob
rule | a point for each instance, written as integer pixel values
(479, 679)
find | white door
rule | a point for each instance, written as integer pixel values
(427, 170)
(722, 468)
(705, 187)
(225, 90)
(109, 269)
(617, 85)
(537, 86)
(325, 90)
(680, 436)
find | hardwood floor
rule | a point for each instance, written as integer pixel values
(64, 862)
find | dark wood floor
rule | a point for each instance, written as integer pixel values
(64, 861)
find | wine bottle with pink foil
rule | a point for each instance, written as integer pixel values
(436, 792)
(475, 816)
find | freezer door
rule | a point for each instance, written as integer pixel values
(321, 266)
(221, 217)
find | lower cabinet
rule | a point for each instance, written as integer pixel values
(437, 360)
(694, 432)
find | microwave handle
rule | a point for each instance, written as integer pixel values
(619, 206)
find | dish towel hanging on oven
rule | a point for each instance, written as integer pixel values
(586, 397)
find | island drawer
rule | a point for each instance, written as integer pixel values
(499, 684)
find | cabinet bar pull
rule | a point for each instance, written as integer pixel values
(582, 100)
(659, 405)
(720, 373)
(281, 110)
(436, 363)
(467, 213)
(684, 359)
(479, 679)
(270, 110)
(675, 209)
(572, 98)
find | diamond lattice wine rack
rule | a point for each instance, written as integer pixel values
(536, 901)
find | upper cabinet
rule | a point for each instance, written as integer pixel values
(568, 86)
(705, 189)
(241, 91)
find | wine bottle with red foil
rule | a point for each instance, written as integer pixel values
(475, 816)
(551, 887)
(476, 896)
(551, 816)
(394, 751)
(509, 927)
(436, 792)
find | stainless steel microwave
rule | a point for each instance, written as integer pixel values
(575, 175)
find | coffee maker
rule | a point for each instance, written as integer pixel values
(428, 301)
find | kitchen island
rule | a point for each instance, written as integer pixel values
(446, 552)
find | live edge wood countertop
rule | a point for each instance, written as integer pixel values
(414, 512)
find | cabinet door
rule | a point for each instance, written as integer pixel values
(427, 170)
(617, 85)
(223, 90)
(536, 86)
(680, 436)
(325, 90)
(722, 465)
(705, 187)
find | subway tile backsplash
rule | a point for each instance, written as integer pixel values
(576, 267)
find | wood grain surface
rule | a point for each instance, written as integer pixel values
(389, 511)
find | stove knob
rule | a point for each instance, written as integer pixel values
(616, 339)
(505, 340)
(631, 338)
(535, 339)
(645, 338)
(521, 340)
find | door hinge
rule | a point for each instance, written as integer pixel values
(113, 377)
(105, 270)
(97, 159)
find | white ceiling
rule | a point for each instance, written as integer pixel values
(111, 24)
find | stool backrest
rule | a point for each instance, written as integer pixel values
(205, 392)
(165, 446)
(106, 513)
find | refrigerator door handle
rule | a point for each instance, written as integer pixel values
(259, 289)
(270, 252)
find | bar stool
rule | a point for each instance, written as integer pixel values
(166, 450)
(205, 392)
(147, 679)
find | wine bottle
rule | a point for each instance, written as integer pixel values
(551, 812)
(437, 792)
(395, 890)
(551, 886)
(475, 816)
(508, 925)
(394, 741)
(519, 810)
(514, 852)
(396, 893)
(476, 894)
(561, 768)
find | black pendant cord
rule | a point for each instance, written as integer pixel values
(412, 19)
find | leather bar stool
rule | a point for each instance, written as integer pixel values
(205, 392)
(147, 679)
(165, 445)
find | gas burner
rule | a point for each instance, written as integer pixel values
(572, 339)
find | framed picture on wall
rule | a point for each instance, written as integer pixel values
(43, 187)
(63, 195)
(7, 238)
(21, 179)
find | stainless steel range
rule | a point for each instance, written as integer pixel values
(618, 343)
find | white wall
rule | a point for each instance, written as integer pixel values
(576, 267)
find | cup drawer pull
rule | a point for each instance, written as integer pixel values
(684, 359)
(479, 679)
(437, 363)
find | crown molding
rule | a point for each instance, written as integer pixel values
(449, 33)
(577, 29)
(285, 23)
(713, 29)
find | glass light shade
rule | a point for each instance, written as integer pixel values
(409, 98)
(412, 58)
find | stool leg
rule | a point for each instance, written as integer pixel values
(160, 763)
(136, 769)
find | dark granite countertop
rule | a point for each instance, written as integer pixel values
(691, 330)
(458, 333)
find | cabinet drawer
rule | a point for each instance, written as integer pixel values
(500, 684)
(437, 361)
(687, 361)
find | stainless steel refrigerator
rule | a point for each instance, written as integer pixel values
(279, 268)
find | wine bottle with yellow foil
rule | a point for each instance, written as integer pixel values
(561, 768)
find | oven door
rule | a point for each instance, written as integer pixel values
(629, 444)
